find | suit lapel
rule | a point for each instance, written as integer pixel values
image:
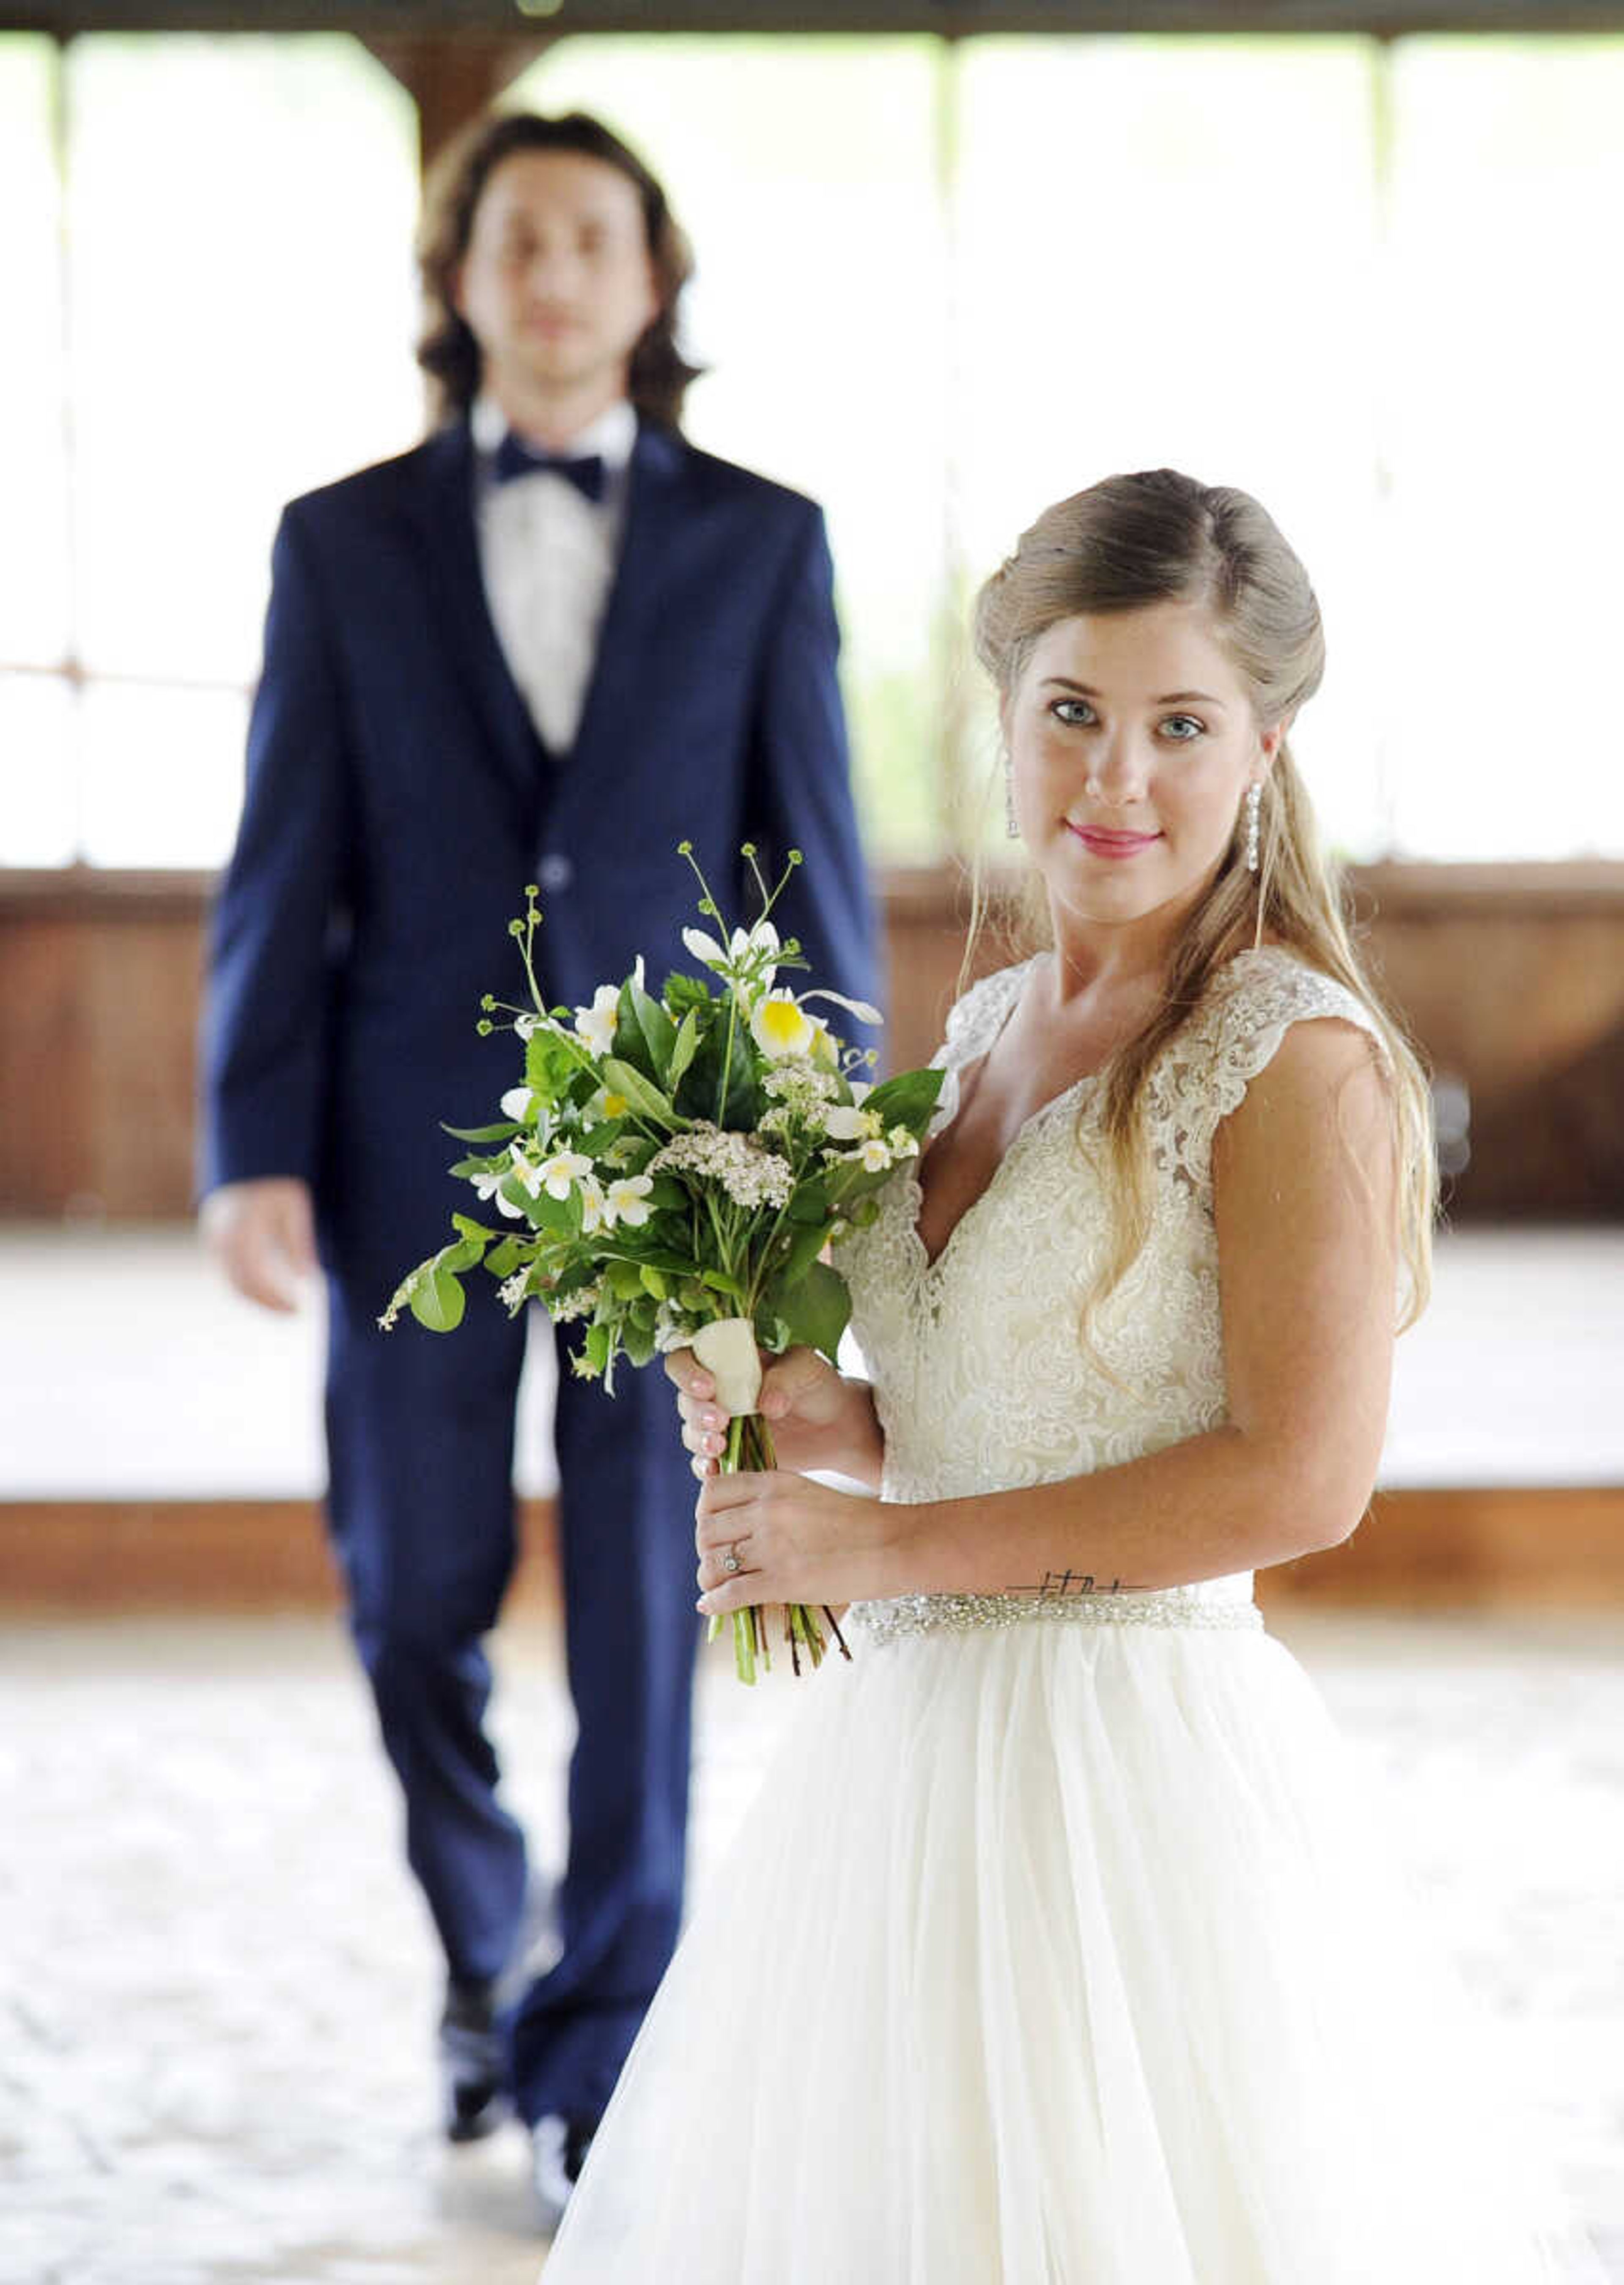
(654, 517)
(445, 514)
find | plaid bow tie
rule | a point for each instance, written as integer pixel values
(515, 457)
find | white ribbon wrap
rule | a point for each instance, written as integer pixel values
(728, 1351)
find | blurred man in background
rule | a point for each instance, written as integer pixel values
(546, 645)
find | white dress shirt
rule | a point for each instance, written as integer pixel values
(547, 555)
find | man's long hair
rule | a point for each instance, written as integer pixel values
(447, 351)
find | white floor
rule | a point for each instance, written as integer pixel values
(127, 1369)
(216, 1985)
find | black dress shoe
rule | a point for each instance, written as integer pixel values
(473, 2063)
(558, 2151)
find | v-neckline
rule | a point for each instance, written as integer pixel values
(930, 1263)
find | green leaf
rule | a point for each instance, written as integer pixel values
(503, 1131)
(550, 1062)
(659, 1032)
(467, 1254)
(625, 1279)
(654, 1280)
(438, 1301)
(907, 1100)
(685, 994)
(467, 1228)
(809, 1201)
(682, 1051)
(644, 1097)
(720, 1283)
(806, 1243)
(629, 1044)
(503, 1258)
(638, 1341)
(815, 1307)
(600, 1342)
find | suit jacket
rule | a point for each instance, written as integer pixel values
(399, 799)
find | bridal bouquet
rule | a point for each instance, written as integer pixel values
(675, 1168)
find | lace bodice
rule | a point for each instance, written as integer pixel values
(982, 1381)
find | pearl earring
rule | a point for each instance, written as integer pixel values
(1254, 796)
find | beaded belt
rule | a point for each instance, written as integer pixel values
(1162, 1606)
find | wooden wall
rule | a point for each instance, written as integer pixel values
(1513, 980)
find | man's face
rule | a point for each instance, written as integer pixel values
(557, 286)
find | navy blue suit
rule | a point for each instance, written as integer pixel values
(399, 799)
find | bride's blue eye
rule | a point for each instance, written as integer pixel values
(1076, 711)
(1181, 728)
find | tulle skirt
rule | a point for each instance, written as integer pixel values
(1057, 1954)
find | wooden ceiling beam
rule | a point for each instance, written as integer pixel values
(452, 77)
(500, 22)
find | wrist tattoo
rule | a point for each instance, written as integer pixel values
(1056, 1583)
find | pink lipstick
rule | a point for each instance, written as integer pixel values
(1101, 841)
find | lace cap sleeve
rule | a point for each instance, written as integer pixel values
(1208, 1067)
(973, 1024)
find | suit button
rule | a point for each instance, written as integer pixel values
(556, 871)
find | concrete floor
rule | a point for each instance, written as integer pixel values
(216, 1987)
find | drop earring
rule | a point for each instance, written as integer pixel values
(1254, 796)
(1012, 824)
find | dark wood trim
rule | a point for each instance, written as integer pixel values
(917, 894)
(457, 19)
(182, 1555)
(1499, 1548)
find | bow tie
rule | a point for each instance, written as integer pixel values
(515, 458)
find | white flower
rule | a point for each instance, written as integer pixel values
(596, 1025)
(749, 960)
(557, 1174)
(487, 1184)
(605, 1104)
(516, 1103)
(751, 1175)
(778, 1027)
(875, 1155)
(595, 1214)
(850, 1123)
(902, 1144)
(860, 1008)
(628, 1201)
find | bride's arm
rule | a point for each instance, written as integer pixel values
(1304, 1178)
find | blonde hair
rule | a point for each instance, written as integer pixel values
(1157, 537)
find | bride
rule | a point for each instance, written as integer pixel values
(1057, 1950)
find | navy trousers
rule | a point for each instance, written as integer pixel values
(420, 1438)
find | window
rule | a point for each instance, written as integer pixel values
(939, 285)
(215, 260)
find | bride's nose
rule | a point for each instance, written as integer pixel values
(1118, 773)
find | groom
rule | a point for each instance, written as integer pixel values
(549, 644)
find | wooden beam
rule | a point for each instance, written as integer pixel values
(452, 77)
(436, 19)
(1513, 1548)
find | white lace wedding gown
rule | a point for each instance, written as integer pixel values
(1056, 1949)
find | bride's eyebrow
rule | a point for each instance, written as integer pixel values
(1167, 698)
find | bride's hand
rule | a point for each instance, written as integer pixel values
(800, 1392)
(795, 1541)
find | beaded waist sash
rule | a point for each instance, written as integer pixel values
(1162, 1606)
